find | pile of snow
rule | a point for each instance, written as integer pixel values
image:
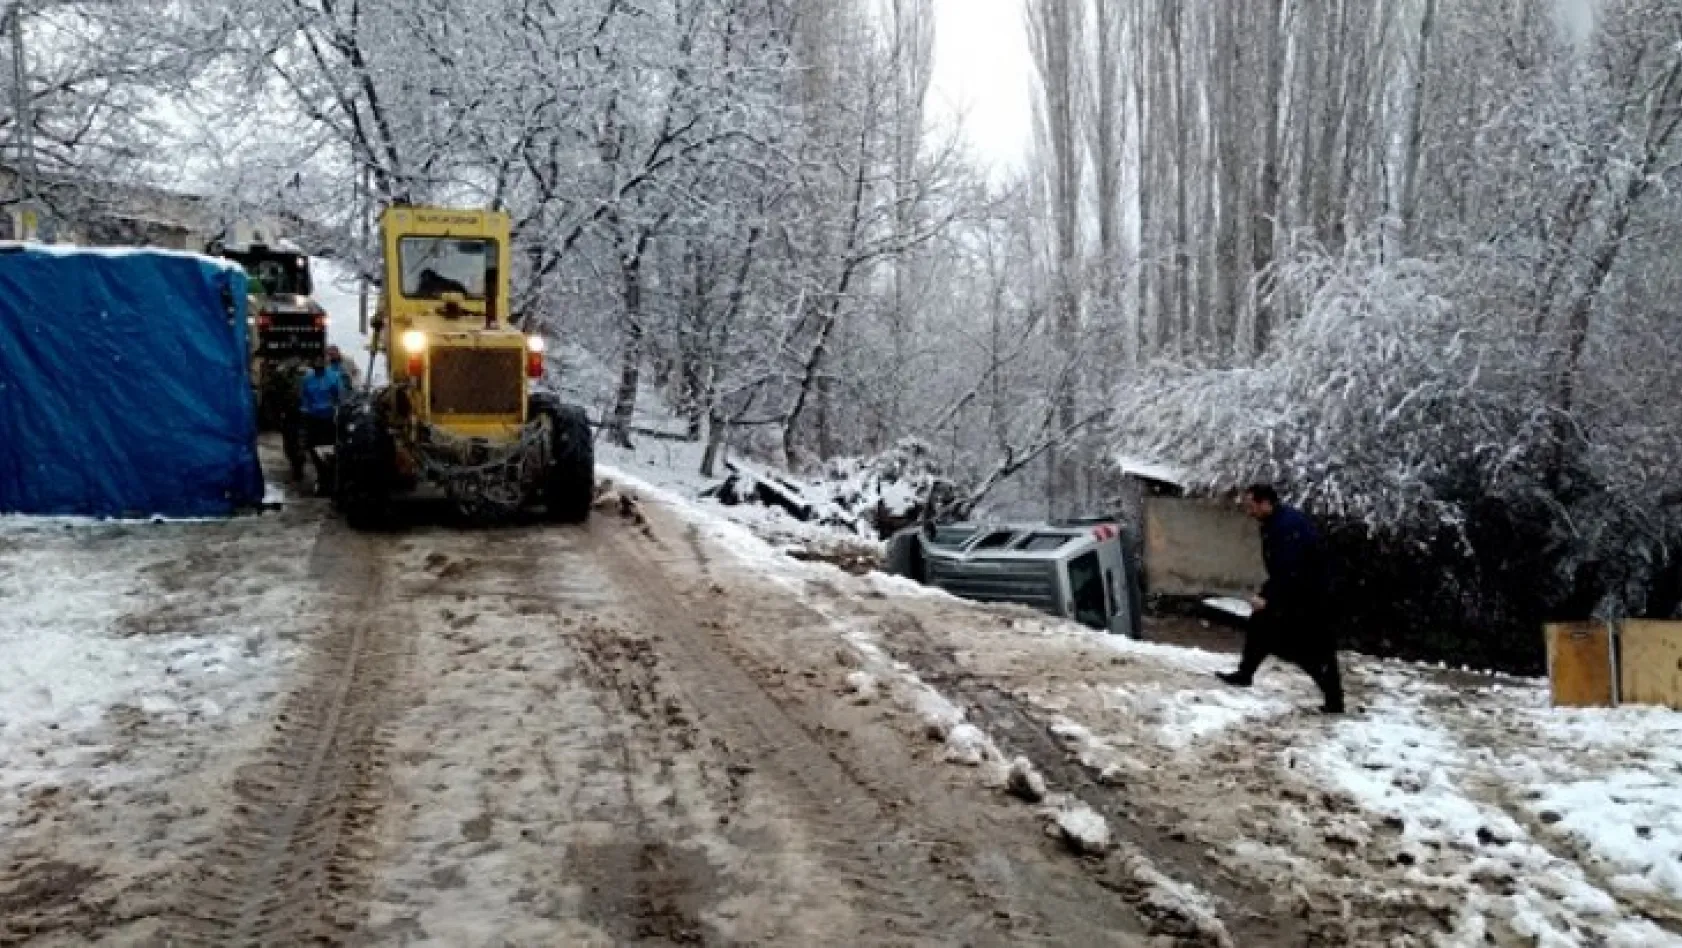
(862, 686)
(967, 745)
(890, 490)
(1025, 781)
(872, 496)
(1169, 897)
(1083, 830)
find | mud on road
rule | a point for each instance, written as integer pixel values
(613, 737)
(534, 735)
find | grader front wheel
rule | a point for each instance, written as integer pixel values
(569, 476)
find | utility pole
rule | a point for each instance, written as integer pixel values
(361, 187)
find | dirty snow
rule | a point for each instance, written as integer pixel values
(1024, 780)
(1085, 831)
(1468, 798)
(862, 685)
(65, 659)
(138, 664)
(1182, 717)
(967, 745)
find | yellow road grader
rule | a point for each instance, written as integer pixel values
(458, 412)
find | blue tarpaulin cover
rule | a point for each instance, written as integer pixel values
(123, 385)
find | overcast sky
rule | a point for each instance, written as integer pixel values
(983, 73)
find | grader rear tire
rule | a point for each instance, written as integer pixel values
(569, 478)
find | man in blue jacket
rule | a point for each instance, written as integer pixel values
(1289, 618)
(318, 401)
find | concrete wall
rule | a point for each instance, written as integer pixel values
(1196, 547)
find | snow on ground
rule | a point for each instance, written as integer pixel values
(966, 744)
(87, 630)
(1454, 808)
(138, 663)
(943, 720)
(1408, 762)
(674, 466)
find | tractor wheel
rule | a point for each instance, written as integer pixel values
(364, 460)
(569, 477)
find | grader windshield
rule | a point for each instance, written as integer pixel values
(434, 266)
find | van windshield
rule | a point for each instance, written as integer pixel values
(1086, 584)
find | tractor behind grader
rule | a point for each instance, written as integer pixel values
(458, 413)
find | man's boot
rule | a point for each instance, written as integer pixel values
(1331, 683)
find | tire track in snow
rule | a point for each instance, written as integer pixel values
(852, 826)
(927, 860)
(290, 865)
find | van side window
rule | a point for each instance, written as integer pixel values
(1086, 582)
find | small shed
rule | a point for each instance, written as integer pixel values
(1195, 543)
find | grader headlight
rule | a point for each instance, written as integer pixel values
(535, 346)
(414, 343)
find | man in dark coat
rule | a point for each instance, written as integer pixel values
(1289, 618)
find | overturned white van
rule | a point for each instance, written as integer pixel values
(1081, 570)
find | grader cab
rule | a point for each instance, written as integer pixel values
(459, 413)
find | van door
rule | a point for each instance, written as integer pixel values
(1123, 615)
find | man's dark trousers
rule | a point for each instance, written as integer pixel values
(1299, 636)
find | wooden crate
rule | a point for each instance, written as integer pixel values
(1650, 662)
(1580, 664)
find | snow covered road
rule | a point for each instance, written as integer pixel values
(278, 731)
(523, 736)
